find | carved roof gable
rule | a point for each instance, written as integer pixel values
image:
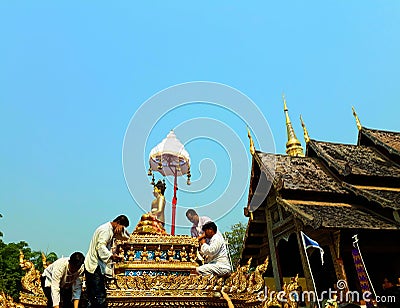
(325, 214)
(355, 159)
(390, 140)
(299, 173)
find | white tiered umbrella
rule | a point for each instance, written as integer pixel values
(170, 158)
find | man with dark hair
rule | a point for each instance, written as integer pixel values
(99, 259)
(197, 221)
(215, 253)
(61, 283)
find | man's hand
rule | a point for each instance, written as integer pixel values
(200, 237)
(116, 258)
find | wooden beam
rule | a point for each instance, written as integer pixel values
(258, 234)
(273, 252)
(258, 221)
(257, 245)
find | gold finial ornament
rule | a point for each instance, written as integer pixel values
(252, 149)
(359, 126)
(306, 136)
(293, 145)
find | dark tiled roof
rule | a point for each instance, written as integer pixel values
(355, 159)
(299, 173)
(387, 197)
(389, 139)
(335, 215)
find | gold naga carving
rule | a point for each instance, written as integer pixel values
(32, 294)
(7, 301)
(31, 281)
(241, 285)
(271, 299)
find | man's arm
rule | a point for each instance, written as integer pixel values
(102, 250)
(213, 248)
(58, 271)
(193, 231)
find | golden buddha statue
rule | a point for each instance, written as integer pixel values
(158, 204)
(153, 222)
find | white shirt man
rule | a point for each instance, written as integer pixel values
(99, 253)
(197, 221)
(216, 254)
(98, 261)
(62, 279)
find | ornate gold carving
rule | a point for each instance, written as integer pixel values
(305, 132)
(293, 145)
(172, 281)
(7, 301)
(144, 254)
(170, 253)
(131, 254)
(252, 148)
(31, 281)
(256, 281)
(358, 123)
(160, 240)
(183, 254)
(157, 254)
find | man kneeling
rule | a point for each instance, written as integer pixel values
(215, 253)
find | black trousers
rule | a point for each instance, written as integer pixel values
(65, 295)
(96, 289)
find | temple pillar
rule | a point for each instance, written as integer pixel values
(273, 251)
(334, 248)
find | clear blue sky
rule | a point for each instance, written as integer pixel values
(73, 74)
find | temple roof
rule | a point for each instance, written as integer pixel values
(359, 160)
(385, 196)
(389, 139)
(299, 173)
(325, 214)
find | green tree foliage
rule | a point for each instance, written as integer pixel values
(1, 233)
(235, 241)
(38, 261)
(10, 271)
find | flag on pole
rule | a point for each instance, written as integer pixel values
(310, 243)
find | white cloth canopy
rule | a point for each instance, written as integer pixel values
(172, 155)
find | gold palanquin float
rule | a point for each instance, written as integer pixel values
(159, 270)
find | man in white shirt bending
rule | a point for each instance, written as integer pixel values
(61, 283)
(99, 258)
(215, 253)
(197, 221)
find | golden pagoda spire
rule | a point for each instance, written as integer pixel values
(359, 126)
(305, 132)
(252, 149)
(293, 145)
